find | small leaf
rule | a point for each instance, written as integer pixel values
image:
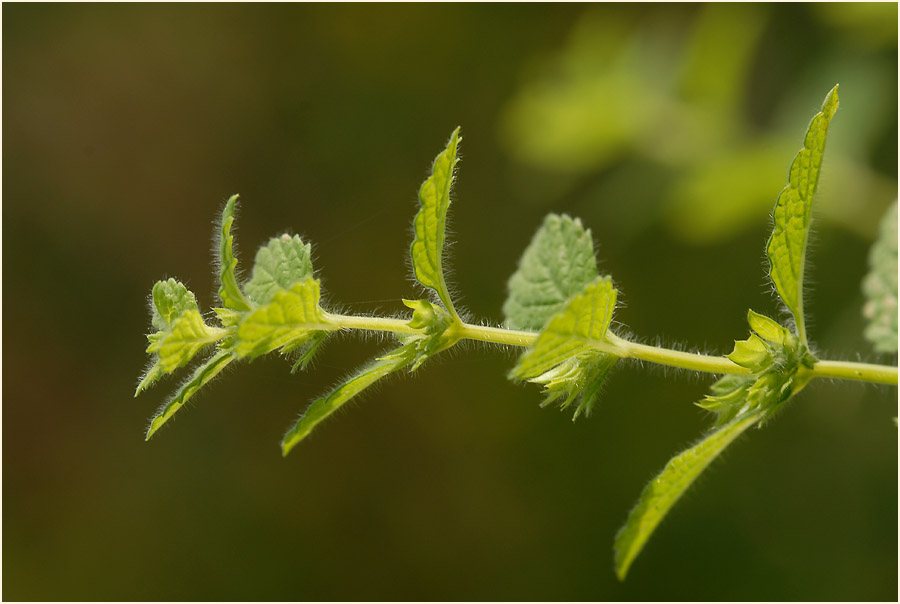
(181, 334)
(664, 490)
(751, 353)
(282, 263)
(202, 375)
(557, 264)
(766, 328)
(880, 286)
(438, 329)
(290, 321)
(583, 375)
(229, 291)
(566, 358)
(365, 377)
(787, 245)
(430, 224)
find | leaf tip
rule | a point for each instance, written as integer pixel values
(155, 423)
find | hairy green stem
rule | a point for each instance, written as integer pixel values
(865, 372)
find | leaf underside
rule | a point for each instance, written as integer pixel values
(427, 249)
(786, 248)
(557, 264)
(279, 265)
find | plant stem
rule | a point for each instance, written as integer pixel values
(881, 374)
(864, 372)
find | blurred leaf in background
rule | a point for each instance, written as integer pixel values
(673, 93)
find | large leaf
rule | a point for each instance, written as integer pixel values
(322, 408)
(557, 264)
(430, 224)
(880, 286)
(787, 245)
(181, 334)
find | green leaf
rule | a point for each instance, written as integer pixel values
(766, 328)
(437, 325)
(751, 353)
(787, 245)
(202, 375)
(740, 401)
(664, 490)
(430, 224)
(181, 334)
(567, 358)
(229, 291)
(581, 326)
(557, 264)
(282, 263)
(322, 408)
(880, 286)
(292, 320)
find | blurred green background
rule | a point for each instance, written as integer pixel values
(667, 128)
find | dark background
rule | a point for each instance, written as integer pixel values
(667, 129)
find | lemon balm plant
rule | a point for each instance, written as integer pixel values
(559, 309)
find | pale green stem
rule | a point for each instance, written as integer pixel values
(882, 374)
(864, 372)
(371, 323)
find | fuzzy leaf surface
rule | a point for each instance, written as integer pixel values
(430, 224)
(565, 359)
(880, 286)
(280, 264)
(557, 264)
(229, 291)
(664, 490)
(583, 322)
(201, 376)
(290, 321)
(181, 334)
(786, 248)
(322, 408)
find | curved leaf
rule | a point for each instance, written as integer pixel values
(664, 490)
(786, 248)
(430, 224)
(229, 291)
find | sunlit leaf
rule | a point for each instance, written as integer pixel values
(566, 358)
(181, 334)
(430, 224)
(229, 291)
(290, 321)
(787, 245)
